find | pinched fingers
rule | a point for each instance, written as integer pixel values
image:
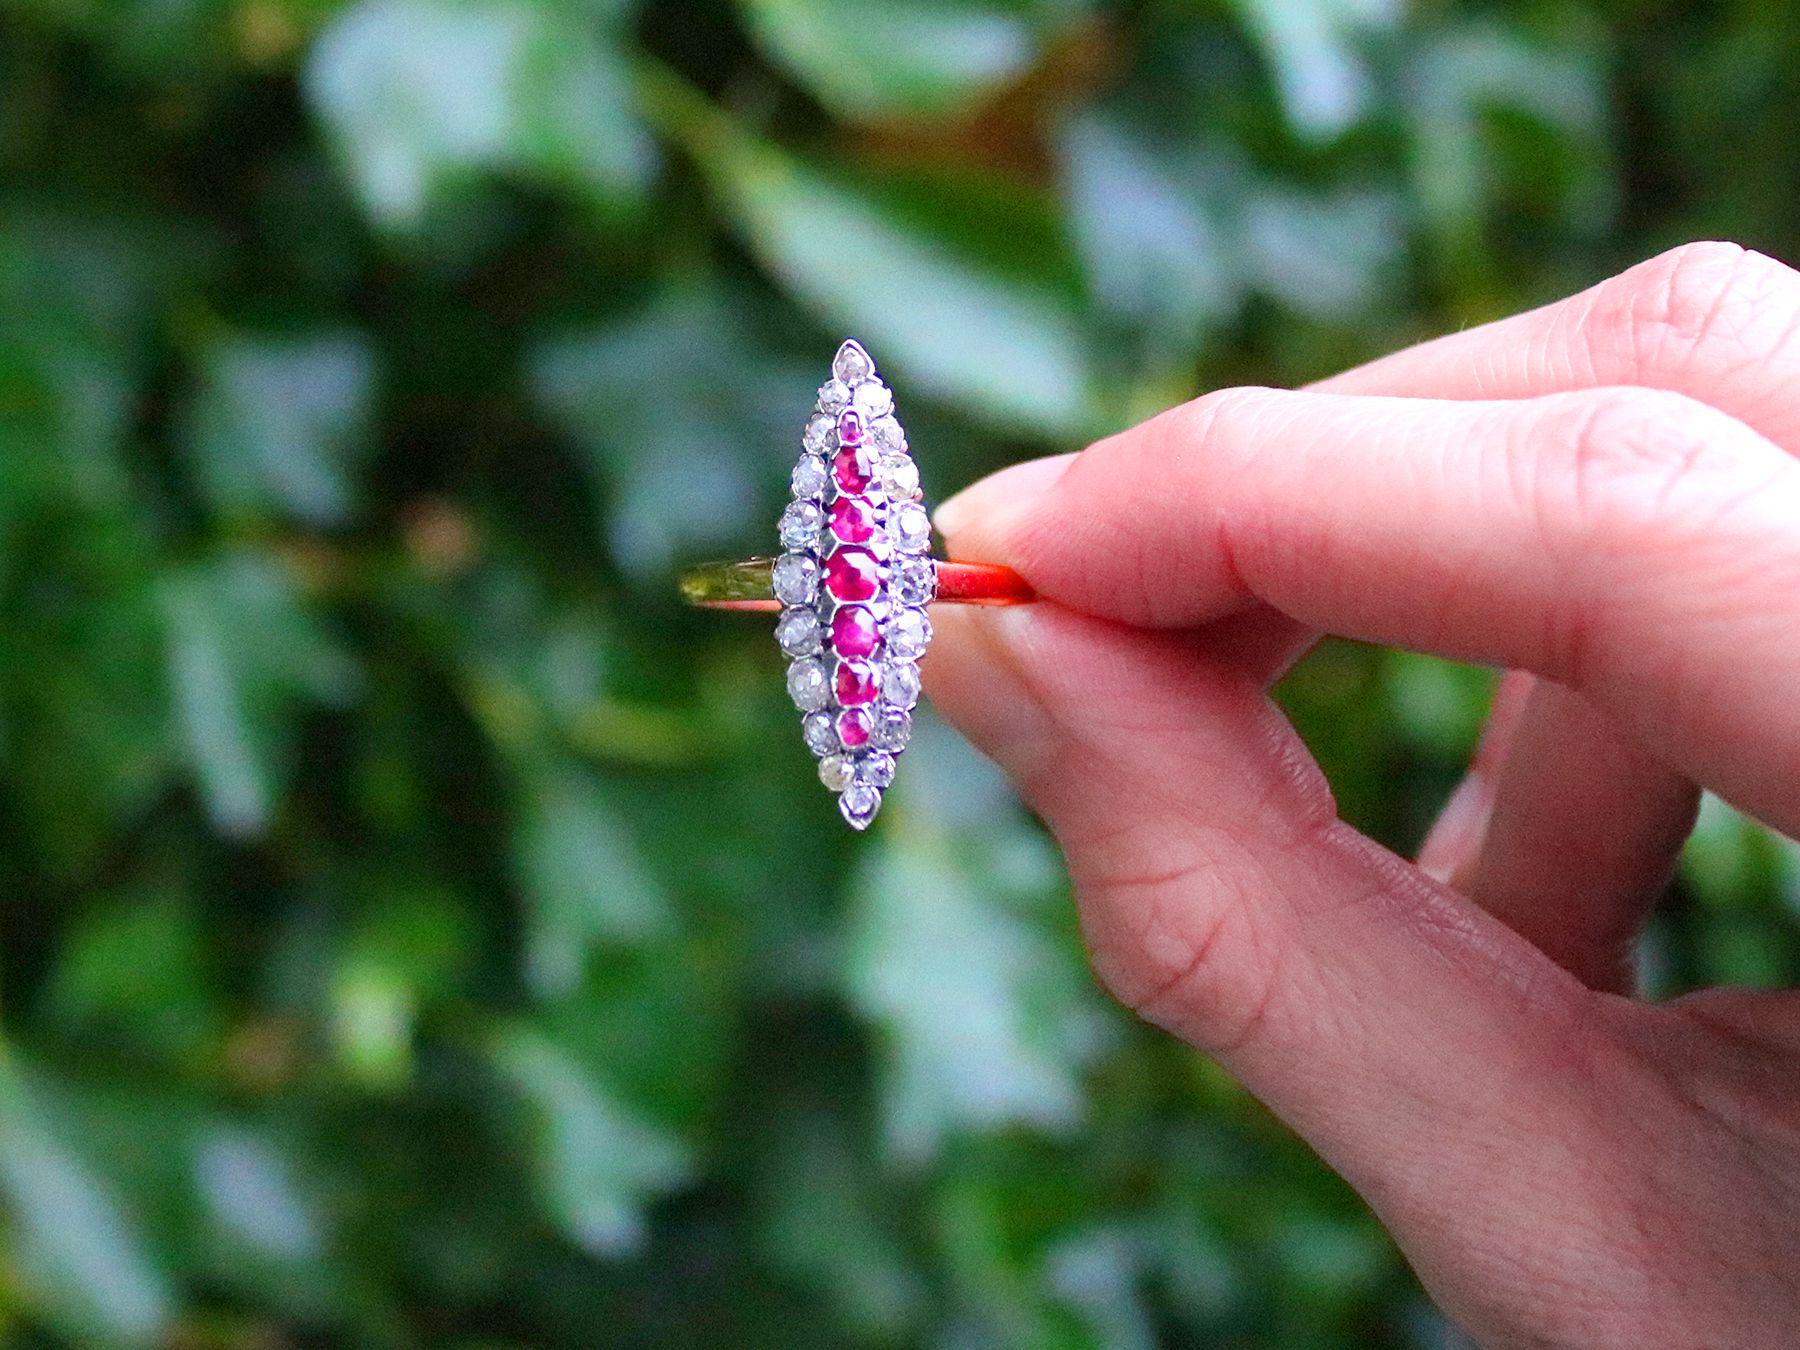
(1636, 545)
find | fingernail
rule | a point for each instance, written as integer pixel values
(985, 505)
(1455, 840)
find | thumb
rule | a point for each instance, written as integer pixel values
(1431, 1055)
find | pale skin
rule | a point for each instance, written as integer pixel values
(1601, 497)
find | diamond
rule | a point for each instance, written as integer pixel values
(853, 727)
(887, 435)
(853, 631)
(899, 477)
(915, 581)
(834, 396)
(800, 524)
(908, 632)
(819, 431)
(850, 427)
(900, 686)
(855, 683)
(859, 804)
(808, 685)
(796, 578)
(873, 399)
(853, 574)
(837, 772)
(853, 520)
(910, 528)
(893, 730)
(820, 733)
(798, 632)
(852, 363)
(877, 770)
(810, 476)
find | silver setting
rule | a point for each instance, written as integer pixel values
(856, 746)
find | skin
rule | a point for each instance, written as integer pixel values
(1602, 497)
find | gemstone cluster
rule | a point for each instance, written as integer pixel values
(854, 582)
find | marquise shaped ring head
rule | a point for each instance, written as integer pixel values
(854, 579)
(852, 584)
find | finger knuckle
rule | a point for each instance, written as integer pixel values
(1617, 462)
(1700, 303)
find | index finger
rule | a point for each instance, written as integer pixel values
(1638, 546)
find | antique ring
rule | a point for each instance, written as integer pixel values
(853, 585)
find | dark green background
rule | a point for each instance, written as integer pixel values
(417, 929)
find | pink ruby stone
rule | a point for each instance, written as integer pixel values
(853, 728)
(850, 427)
(855, 682)
(853, 520)
(852, 574)
(853, 631)
(848, 468)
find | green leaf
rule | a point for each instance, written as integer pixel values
(134, 971)
(581, 876)
(683, 412)
(243, 658)
(422, 95)
(1313, 46)
(1155, 252)
(933, 293)
(282, 423)
(986, 1014)
(922, 58)
(596, 1162)
(78, 1251)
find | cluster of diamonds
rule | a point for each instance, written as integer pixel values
(854, 581)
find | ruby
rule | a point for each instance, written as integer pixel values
(852, 574)
(853, 520)
(856, 682)
(853, 728)
(850, 470)
(850, 427)
(853, 631)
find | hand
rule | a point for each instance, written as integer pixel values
(1601, 496)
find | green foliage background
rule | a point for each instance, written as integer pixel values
(417, 929)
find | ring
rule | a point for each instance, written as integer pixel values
(853, 585)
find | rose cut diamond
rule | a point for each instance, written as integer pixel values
(800, 524)
(808, 685)
(811, 474)
(796, 578)
(798, 632)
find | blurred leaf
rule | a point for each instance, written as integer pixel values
(596, 1162)
(907, 58)
(1326, 255)
(79, 291)
(1156, 257)
(77, 1249)
(1455, 85)
(243, 657)
(254, 1199)
(279, 423)
(405, 949)
(929, 295)
(986, 1018)
(1313, 47)
(134, 972)
(826, 1228)
(684, 412)
(581, 874)
(421, 95)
